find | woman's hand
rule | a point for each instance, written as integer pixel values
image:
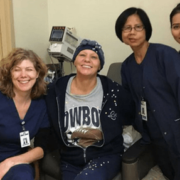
(5, 166)
(26, 158)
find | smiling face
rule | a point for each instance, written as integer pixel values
(134, 38)
(87, 63)
(175, 28)
(23, 76)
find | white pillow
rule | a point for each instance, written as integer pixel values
(130, 136)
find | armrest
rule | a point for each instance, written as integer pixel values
(50, 164)
(137, 161)
(36, 166)
(135, 151)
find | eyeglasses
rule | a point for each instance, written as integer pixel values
(176, 26)
(136, 28)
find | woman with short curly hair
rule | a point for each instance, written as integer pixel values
(22, 113)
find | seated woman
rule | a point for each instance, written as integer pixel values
(175, 23)
(86, 110)
(23, 114)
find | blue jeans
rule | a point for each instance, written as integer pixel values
(20, 172)
(102, 168)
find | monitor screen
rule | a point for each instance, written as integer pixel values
(57, 33)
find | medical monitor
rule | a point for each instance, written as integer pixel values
(63, 42)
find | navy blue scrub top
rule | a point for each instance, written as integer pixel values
(10, 125)
(150, 126)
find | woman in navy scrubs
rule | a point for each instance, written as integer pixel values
(22, 114)
(152, 75)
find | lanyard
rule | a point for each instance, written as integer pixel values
(23, 125)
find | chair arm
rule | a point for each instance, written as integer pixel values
(135, 151)
(50, 165)
(36, 166)
(137, 161)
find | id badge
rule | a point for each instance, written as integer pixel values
(25, 139)
(144, 110)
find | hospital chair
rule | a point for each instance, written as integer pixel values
(136, 161)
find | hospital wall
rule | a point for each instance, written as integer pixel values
(91, 19)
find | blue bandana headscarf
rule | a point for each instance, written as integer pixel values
(92, 45)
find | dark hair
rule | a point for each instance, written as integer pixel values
(175, 11)
(121, 20)
(15, 57)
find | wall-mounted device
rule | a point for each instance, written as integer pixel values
(63, 43)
